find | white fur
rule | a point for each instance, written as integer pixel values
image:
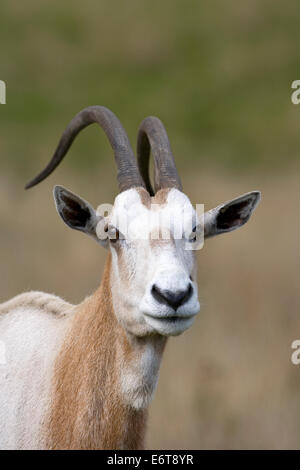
(32, 339)
(139, 378)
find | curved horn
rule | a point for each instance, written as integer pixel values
(128, 174)
(152, 135)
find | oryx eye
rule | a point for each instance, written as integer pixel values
(193, 235)
(113, 233)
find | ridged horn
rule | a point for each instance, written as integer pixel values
(128, 174)
(152, 136)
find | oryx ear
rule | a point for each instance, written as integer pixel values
(76, 212)
(230, 215)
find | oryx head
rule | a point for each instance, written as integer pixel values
(152, 234)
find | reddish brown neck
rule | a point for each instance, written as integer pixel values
(87, 411)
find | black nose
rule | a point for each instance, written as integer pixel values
(170, 298)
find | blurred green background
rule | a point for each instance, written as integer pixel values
(218, 73)
(219, 76)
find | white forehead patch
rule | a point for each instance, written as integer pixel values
(126, 199)
(177, 197)
(179, 201)
(136, 221)
(180, 212)
(128, 209)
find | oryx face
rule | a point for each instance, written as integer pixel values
(153, 270)
(152, 235)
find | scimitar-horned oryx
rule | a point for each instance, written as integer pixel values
(82, 376)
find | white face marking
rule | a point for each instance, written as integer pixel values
(141, 265)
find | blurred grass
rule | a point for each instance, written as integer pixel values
(219, 75)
